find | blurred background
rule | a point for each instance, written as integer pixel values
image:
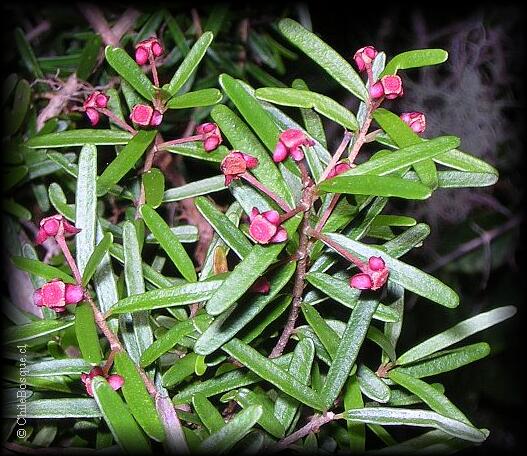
(475, 244)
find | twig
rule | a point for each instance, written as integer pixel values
(302, 254)
(41, 28)
(473, 244)
(125, 23)
(336, 157)
(96, 19)
(58, 101)
(257, 184)
(313, 426)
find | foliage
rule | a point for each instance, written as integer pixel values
(211, 361)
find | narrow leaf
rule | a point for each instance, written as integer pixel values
(79, 137)
(96, 257)
(86, 332)
(204, 97)
(415, 59)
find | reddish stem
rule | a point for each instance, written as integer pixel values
(116, 120)
(154, 69)
(326, 240)
(257, 184)
(167, 144)
(322, 221)
(313, 426)
(336, 157)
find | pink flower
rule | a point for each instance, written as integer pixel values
(55, 295)
(261, 285)
(145, 48)
(211, 135)
(265, 228)
(115, 381)
(145, 116)
(95, 101)
(373, 276)
(235, 164)
(390, 87)
(415, 120)
(51, 226)
(289, 143)
(339, 169)
(364, 57)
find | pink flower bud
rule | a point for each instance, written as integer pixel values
(156, 119)
(142, 114)
(364, 57)
(393, 86)
(51, 295)
(339, 169)
(376, 263)
(115, 381)
(280, 153)
(51, 226)
(96, 100)
(235, 164)
(265, 228)
(415, 120)
(146, 48)
(361, 281)
(141, 55)
(74, 294)
(211, 143)
(376, 90)
(289, 143)
(261, 285)
(211, 135)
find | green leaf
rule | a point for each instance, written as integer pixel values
(348, 349)
(169, 242)
(204, 97)
(88, 57)
(376, 185)
(229, 324)
(407, 156)
(27, 54)
(242, 138)
(207, 413)
(222, 225)
(465, 162)
(96, 258)
(312, 121)
(67, 366)
(118, 418)
(15, 117)
(436, 400)
(388, 416)
(86, 332)
(190, 63)
(196, 188)
(247, 272)
(327, 336)
(34, 330)
(285, 406)
(154, 183)
(169, 339)
(137, 397)
(40, 269)
(247, 398)
(55, 409)
(446, 360)
(223, 440)
(415, 59)
(340, 291)
(86, 206)
(79, 137)
(457, 333)
(126, 67)
(266, 369)
(407, 276)
(353, 400)
(371, 385)
(135, 285)
(325, 56)
(167, 297)
(180, 369)
(307, 99)
(125, 161)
